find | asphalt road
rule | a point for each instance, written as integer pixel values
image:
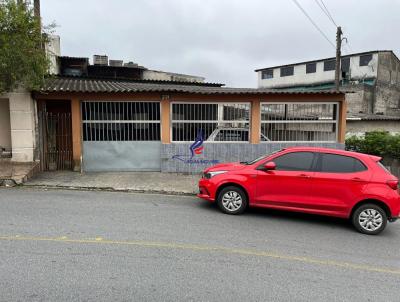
(103, 246)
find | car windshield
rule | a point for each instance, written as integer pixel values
(260, 158)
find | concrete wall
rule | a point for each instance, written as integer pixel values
(169, 76)
(221, 152)
(22, 121)
(53, 50)
(360, 127)
(300, 77)
(360, 99)
(388, 85)
(5, 128)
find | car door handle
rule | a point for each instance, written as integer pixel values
(358, 179)
(304, 176)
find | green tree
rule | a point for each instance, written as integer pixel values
(23, 61)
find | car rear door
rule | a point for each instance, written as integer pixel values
(338, 181)
(289, 186)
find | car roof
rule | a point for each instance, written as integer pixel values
(334, 151)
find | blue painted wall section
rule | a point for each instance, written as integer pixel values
(221, 152)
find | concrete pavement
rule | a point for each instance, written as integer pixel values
(150, 182)
(101, 246)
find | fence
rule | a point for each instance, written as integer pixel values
(299, 122)
(217, 122)
(56, 141)
(121, 121)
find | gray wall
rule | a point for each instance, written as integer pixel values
(360, 127)
(388, 85)
(222, 152)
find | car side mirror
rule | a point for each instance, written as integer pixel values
(270, 166)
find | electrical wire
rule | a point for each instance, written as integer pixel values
(313, 23)
(326, 11)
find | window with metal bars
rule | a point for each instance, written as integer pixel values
(121, 121)
(299, 122)
(225, 122)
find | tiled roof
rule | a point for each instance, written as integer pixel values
(86, 85)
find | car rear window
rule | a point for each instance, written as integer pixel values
(334, 163)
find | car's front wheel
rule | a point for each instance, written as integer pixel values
(369, 219)
(232, 200)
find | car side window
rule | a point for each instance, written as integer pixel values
(294, 161)
(334, 163)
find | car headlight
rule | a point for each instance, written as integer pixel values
(208, 175)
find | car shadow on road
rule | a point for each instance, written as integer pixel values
(292, 217)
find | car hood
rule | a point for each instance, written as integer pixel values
(226, 167)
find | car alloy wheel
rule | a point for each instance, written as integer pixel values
(369, 219)
(232, 200)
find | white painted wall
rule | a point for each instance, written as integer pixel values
(53, 50)
(5, 128)
(300, 77)
(22, 124)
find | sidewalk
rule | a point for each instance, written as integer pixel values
(12, 173)
(150, 182)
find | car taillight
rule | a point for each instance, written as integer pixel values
(393, 183)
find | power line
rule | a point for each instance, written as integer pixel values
(313, 23)
(326, 12)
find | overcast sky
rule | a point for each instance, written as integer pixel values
(222, 40)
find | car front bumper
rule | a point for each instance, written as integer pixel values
(206, 190)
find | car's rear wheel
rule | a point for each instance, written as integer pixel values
(232, 200)
(369, 219)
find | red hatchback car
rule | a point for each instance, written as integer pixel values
(310, 180)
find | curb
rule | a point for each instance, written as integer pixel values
(7, 182)
(109, 189)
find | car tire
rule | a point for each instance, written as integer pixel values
(369, 219)
(232, 200)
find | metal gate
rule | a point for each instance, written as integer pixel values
(55, 141)
(121, 136)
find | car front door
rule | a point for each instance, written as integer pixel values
(289, 185)
(338, 181)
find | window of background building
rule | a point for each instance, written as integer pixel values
(267, 74)
(329, 65)
(311, 67)
(345, 64)
(287, 71)
(365, 59)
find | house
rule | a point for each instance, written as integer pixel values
(371, 81)
(114, 116)
(100, 124)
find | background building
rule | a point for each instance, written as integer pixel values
(371, 81)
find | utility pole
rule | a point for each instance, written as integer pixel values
(338, 54)
(36, 11)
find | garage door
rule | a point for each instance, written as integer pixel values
(121, 136)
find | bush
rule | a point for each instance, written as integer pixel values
(380, 143)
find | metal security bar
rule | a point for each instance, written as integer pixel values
(215, 121)
(299, 122)
(121, 121)
(56, 141)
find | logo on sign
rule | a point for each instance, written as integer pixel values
(195, 149)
